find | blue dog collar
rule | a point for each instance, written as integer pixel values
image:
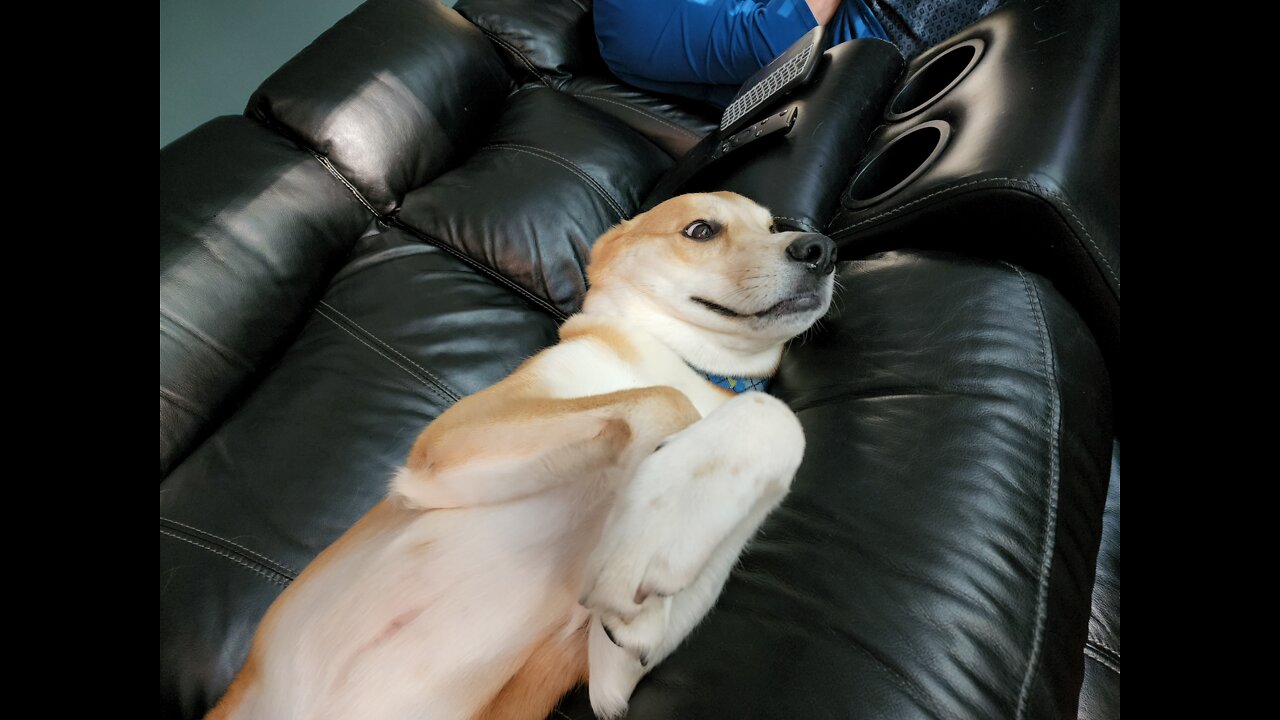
(734, 383)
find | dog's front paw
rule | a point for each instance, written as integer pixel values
(631, 571)
(644, 632)
(649, 546)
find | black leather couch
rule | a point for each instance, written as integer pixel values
(403, 215)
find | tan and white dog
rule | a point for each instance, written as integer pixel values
(574, 521)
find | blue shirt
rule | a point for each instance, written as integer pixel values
(706, 49)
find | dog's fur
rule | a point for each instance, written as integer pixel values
(578, 518)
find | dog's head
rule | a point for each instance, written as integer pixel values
(713, 261)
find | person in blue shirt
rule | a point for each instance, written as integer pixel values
(706, 49)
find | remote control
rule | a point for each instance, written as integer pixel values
(791, 69)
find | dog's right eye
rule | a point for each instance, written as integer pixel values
(700, 230)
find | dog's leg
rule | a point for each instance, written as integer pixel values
(674, 533)
(649, 639)
(496, 450)
(622, 652)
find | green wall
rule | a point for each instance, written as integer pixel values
(215, 53)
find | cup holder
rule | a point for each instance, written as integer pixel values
(897, 164)
(934, 80)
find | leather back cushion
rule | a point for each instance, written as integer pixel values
(671, 123)
(392, 95)
(251, 228)
(553, 43)
(528, 205)
(548, 41)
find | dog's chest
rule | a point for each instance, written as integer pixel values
(585, 367)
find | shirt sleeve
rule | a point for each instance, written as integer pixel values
(697, 41)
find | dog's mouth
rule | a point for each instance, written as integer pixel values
(790, 306)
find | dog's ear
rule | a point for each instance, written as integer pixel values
(606, 248)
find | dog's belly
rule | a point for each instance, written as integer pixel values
(428, 617)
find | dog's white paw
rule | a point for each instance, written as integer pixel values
(640, 537)
(660, 532)
(680, 506)
(644, 632)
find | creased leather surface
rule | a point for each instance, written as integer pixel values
(673, 124)
(1100, 695)
(555, 174)
(547, 41)
(251, 229)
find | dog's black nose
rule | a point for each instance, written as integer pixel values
(817, 252)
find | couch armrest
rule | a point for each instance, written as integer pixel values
(1029, 170)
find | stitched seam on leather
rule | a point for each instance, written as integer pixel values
(1087, 236)
(689, 133)
(600, 188)
(253, 567)
(434, 378)
(288, 133)
(494, 37)
(176, 399)
(1024, 184)
(902, 208)
(1051, 510)
(567, 164)
(1103, 646)
(481, 267)
(438, 392)
(334, 172)
(212, 537)
(1102, 659)
(799, 221)
(1099, 646)
(229, 355)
